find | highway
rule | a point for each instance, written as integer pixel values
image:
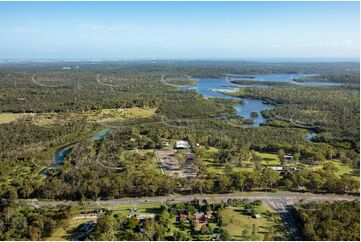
(288, 198)
(278, 201)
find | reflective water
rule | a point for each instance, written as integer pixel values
(286, 78)
(100, 135)
(310, 135)
(61, 153)
(211, 87)
(60, 156)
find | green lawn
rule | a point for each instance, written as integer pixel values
(240, 225)
(208, 153)
(269, 159)
(207, 156)
(153, 161)
(175, 226)
(9, 117)
(341, 168)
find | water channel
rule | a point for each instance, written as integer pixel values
(212, 88)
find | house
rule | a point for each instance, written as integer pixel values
(140, 216)
(194, 218)
(182, 144)
(143, 216)
(87, 215)
(183, 217)
(208, 215)
(199, 219)
(277, 168)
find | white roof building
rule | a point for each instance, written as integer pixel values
(182, 144)
(277, 168)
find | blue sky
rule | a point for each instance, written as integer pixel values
(124, 30)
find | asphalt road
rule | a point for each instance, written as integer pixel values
(280, 206)
(278, 201)
(288, 198)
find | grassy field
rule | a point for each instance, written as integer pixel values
(113, 115)
(101, 116)
(342, 169)
(269, 159)
(63, 234)
(240, 225)
(126, 153)
(207, 156)
(9, 117)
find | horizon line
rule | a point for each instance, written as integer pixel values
(353, 59)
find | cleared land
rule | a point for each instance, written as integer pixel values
(241, 225)
(176, 163)
(341, 169)
(9, 117)
(101, 116)
(66, 234)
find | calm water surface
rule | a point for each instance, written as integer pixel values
(61, 153)
(211, 88)
(286, 78)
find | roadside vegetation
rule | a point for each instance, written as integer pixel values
(338, 221)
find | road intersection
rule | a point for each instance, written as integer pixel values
(279, 201)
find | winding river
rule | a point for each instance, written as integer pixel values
(212, 88)
(62, 152)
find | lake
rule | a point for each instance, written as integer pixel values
(211, 88)
(285, 78)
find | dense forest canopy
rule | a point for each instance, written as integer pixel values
(45, 106)
(95, 130)
(338, 221)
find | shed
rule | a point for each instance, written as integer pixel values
(182, 144)
(277, 168)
